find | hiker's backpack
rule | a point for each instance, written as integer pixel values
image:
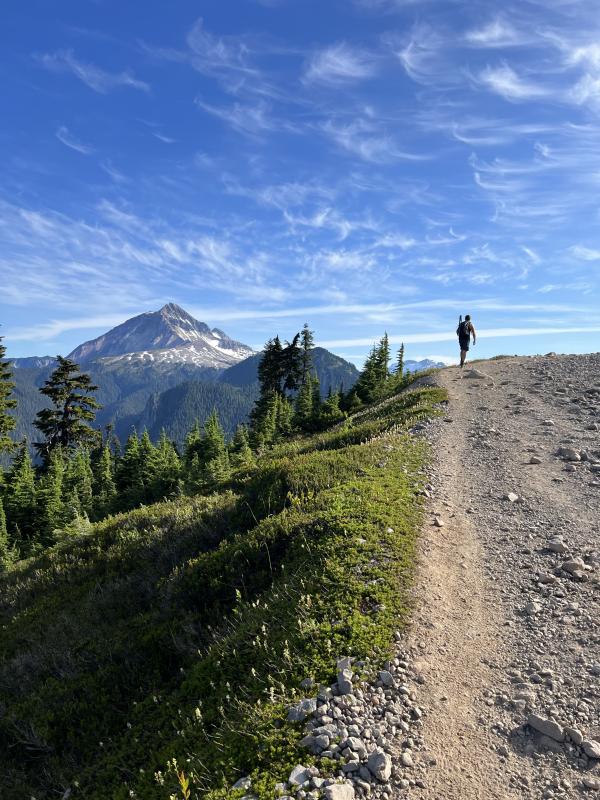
(463, 330)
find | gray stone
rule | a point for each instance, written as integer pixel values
(547, 727)
(556, 545)
(386, 678)
(406, 759)
(303, 709)
(299, 775)
(591, 749)
(344, 681)
(339, 791)
(591, 783)
(574, 566)
(511, 497)
(243, 783)
(568, 453)
(574, 735)
(533, 607)
(380, 765)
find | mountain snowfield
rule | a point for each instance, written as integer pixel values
(169, 335)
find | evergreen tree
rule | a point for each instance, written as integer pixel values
(284, 413)
(239, 450)
(372, 381)
(191, 458)
(215, 458)
(130, 482)
(78, 483)
(148, 466)
(66, 423)
(307, 343)
(49, 496)
(105, 489)
(292, 359)
(5, 555)
(316, 400)
(331, 413)
(7, 422)
(304, 404)
(168, 468)
(20, 498)
(400, 362)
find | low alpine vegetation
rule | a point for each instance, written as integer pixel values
(154, 654)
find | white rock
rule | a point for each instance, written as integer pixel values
(511, 497)
(380, 765)
(243, 783)
(299, 775)
(339, 791)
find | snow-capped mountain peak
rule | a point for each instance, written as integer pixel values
(167, 335)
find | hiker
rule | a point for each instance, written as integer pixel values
(464, 331)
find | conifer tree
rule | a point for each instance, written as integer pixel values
(215, 458)
(5, 550)
(239, 449)
(78, 483)
(316, 399)
(307, 343)
(105, 489)
(400, 362)
(304, 404)
(49, 496)
(20, 497)
(7, 422)
(373, 379)
(66, 424)
(130, 482)
(331, 413)
(148, 466)
(168, 468)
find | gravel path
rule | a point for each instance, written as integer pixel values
(506, 640)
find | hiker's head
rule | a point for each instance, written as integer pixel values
(468, 318)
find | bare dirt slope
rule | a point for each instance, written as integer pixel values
(508, 601)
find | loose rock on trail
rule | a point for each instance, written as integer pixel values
(506, 636)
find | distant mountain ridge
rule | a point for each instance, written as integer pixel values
(170, 334)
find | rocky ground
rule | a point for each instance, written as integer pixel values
(496, 691)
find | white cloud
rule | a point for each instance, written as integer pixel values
(340, 64)
(162, 138)
(63, 135)
(503, 80)
(365, 139)
(96, 78)
(585, 253)
(497, 33)
(251, 120)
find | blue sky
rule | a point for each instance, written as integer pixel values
(363, 165)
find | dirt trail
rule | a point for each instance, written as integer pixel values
(484, 660)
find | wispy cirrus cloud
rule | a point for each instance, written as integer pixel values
(96, 78)
(498, 33)
(251, 119)
(340, 64)
(503, 80)
(585, 253)
(367, 139)
(66, 137)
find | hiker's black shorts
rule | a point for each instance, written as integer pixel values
(464, 343)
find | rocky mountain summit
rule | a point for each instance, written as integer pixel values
(169, 335)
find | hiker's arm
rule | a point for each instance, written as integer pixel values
(473, 332)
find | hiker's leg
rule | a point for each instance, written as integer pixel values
(463, 355)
